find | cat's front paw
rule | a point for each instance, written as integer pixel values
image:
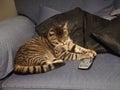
(91, 54)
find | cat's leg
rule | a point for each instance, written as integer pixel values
(65, 55)
(78, 49)
(84, 50)
(51, 65)
(58, 62)
(86, 55)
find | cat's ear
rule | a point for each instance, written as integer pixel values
(65, 28)
(65, 25)
(51, 32)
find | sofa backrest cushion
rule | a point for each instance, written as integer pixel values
(117, 4)
(34, 11)
(39, 10)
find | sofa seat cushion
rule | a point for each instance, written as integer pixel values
(103, 75)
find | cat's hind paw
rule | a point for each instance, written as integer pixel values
(58, 63)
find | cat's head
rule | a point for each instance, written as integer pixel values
(58, 35)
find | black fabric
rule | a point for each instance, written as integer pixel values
(75, 24)
(110, 36)
(92, 24)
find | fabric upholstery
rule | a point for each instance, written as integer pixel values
(98, 7)
(1, 84)
(43, 9)
(33, 10)
(110, 36)
(115, 12)
(103, 75)
(59, 5)
(117, 4)
(92, 24)
(13, 33)
(7, 9)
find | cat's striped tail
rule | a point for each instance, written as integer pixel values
(44, 67)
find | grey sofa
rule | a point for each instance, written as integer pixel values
(103, 75)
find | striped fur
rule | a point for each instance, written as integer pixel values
(42, 54)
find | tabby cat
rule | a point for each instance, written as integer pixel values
(42, 54)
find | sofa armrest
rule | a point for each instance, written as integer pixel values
(13, 33)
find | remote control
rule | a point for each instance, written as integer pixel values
(85, 64)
